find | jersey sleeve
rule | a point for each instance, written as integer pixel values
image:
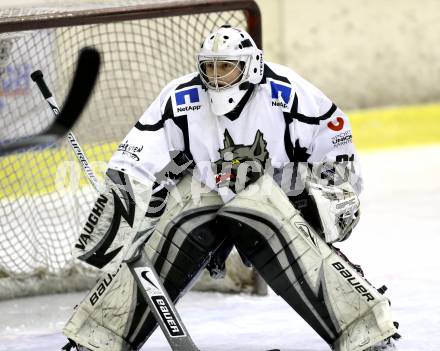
(146, 149)
(321, 134)
(332, 144)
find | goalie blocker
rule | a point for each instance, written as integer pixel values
(321, 286)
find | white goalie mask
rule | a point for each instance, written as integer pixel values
(227, 59)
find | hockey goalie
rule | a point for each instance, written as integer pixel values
(241, 153)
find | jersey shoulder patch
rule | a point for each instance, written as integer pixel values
(186, 96)
(279, 87)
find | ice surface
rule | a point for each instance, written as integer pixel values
(397, 242)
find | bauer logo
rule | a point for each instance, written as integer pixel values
(280, 94)
(166, 314)
(353, 281)
(104, 283)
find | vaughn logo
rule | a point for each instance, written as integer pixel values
(130, 150)
(173, 326)
(92, 220)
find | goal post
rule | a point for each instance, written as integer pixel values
(44, 197)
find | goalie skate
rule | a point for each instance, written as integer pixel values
(73, 346)
(385, 345)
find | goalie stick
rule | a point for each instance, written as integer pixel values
(84, 80)
(140, 266)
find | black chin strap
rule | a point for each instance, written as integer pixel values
(235, 113)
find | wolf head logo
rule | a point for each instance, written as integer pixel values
(240, 165)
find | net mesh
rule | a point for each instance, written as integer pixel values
(44, 197)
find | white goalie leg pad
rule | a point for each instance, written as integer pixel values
(301, 267)
(99, 321)
(184, 202)
(110, 232)
(114, 315)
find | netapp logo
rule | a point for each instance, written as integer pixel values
(167, 316)
(279, 104)
(191, 94)
(185, 100)
(280, 94)
(352, 281)
(189, 108)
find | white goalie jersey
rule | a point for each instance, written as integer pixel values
(282, 121)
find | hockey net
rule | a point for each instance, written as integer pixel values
(44, 197)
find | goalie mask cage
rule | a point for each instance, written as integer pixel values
(44, 197)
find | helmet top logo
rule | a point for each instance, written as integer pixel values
(217, 42)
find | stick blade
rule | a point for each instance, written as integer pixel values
(84, 80)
